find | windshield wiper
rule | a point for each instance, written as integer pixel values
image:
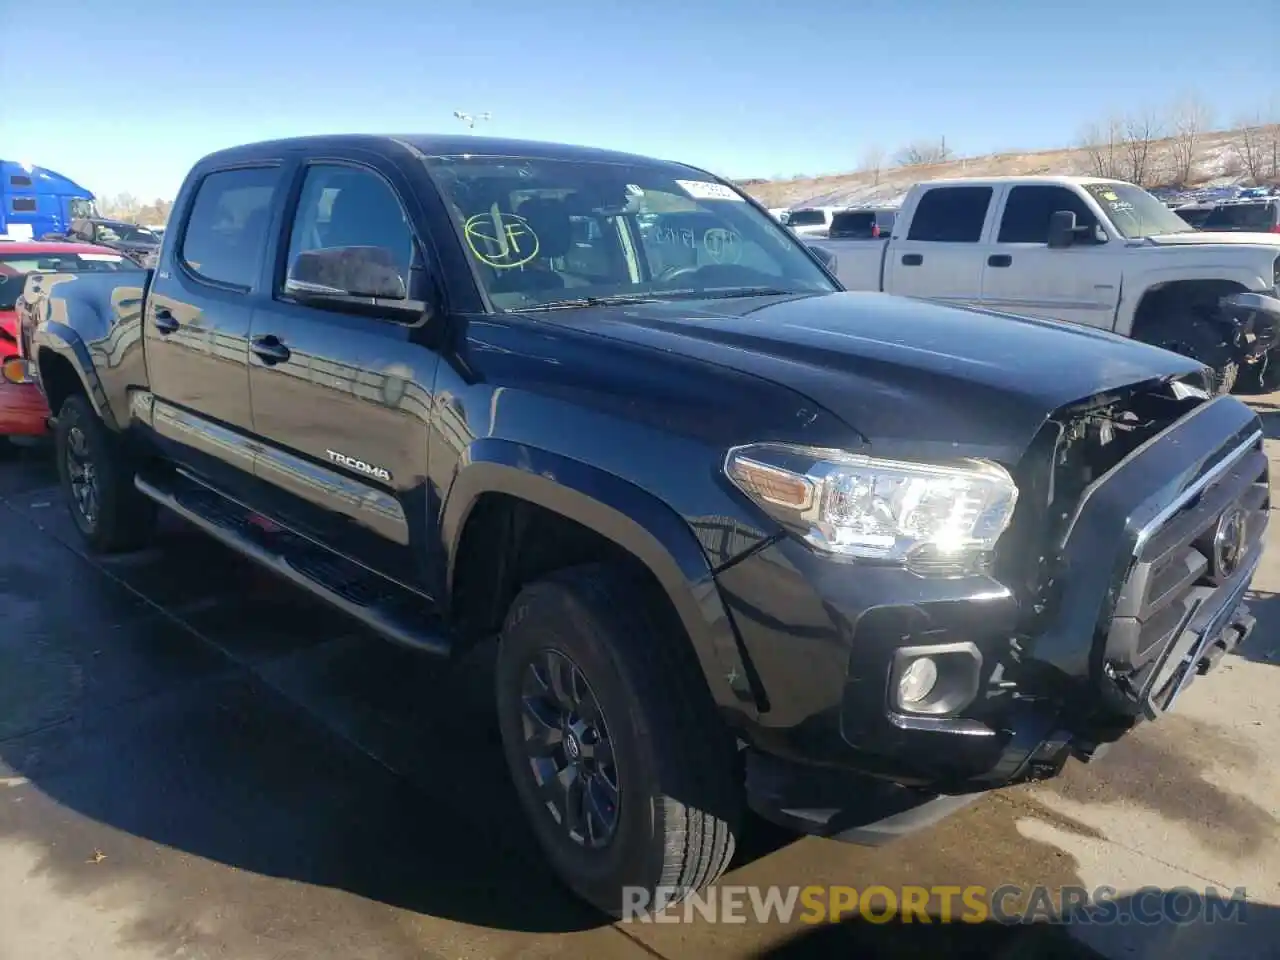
(663, 296)
(725, 293)
(573, 303)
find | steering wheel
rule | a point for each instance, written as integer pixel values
(674, 273)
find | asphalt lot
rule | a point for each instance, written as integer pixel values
(197, 762)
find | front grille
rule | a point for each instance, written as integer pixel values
(1187, 566)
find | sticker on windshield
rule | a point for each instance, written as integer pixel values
(1109, 195)
(501, 240)
(722, 246)
(100, 257)
(703, 190)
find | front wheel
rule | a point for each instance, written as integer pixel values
(96, 472)
(626, 773)
(1184, 331)
(1262, 376)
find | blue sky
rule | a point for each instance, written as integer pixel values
(124, 95)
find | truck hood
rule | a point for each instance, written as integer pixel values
(1201, 238)
(912, 378)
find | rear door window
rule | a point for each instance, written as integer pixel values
(226, 234)
(951, 215)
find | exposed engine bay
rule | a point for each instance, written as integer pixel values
(1074, 448)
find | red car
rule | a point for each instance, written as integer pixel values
(23, 412)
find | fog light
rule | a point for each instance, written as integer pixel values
(917, 681)
(15, 370)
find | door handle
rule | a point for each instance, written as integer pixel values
(269, 349)
(999, 260)
(166, 322)
(912, 259)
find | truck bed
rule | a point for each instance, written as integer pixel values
(859, 263)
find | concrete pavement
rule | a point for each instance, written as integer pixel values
(197, 762)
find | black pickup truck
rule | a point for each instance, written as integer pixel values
(745, 539)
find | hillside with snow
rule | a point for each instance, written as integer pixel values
(1221, 160)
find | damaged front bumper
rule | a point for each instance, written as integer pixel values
(1155, 563)
(1254, 319)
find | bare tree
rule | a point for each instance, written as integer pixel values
(123, 206)
(1271, 137)
(1250, 147)
(1141, 130)
(873, 163)
(1104, 143)
(923, 152)
(1189, 119)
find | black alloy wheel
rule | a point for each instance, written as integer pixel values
(569, 750)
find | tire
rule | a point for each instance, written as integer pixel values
(678, 791)
(1182, 330)
(1261, 377)
(121, 519)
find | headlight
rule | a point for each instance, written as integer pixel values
(939, 515)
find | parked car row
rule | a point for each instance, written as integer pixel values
(138, 243)
(745, 539)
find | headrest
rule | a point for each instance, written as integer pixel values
(549, 220)
(361, 203)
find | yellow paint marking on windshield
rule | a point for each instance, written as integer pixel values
(501, 240)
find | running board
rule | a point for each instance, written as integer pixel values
(389, 609)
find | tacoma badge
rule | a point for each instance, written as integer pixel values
(352, 463)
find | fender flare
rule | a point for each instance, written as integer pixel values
(633, 519)
(65, 342)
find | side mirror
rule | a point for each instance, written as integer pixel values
(1062, 229)
(826, 256)
(362, 280)
(342, 272)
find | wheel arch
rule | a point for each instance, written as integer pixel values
(1208, 286)
(631, 520)
(65, 366)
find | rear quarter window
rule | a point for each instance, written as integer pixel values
(225, 236)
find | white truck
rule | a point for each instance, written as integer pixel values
(1103, 253)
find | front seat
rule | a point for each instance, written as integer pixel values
(550, 224)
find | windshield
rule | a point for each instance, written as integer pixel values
(806, 218)
(1134, 212)
(14, 268)
(81, 209)
(574, 231)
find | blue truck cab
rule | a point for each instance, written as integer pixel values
(35, 201)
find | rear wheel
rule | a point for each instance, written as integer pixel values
(626, 773)
(97, 472)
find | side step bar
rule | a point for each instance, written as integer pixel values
(382, 605)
